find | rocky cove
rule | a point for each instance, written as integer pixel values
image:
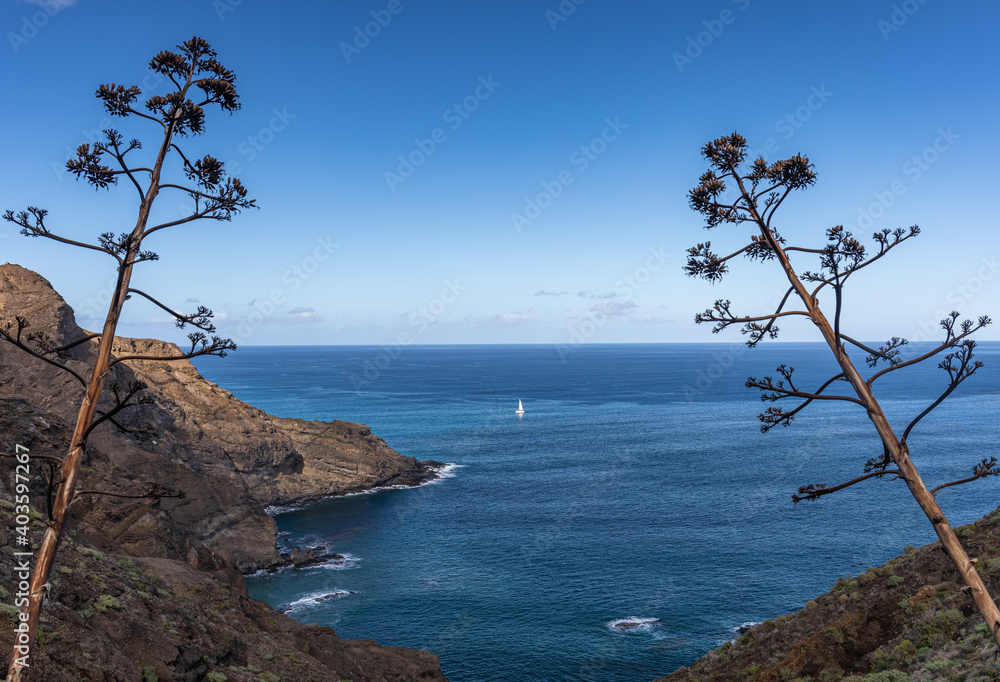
(153, 588)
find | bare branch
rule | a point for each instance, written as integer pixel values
(146, 116)
(201, 318)
(707, 265)
(62, 349)
(122, 401)
(15, 340)
(815, 491)
(115, 139)
(199, 346)
(952, 339)
(773, 416)
(956, 374)
(720, 314)
(32, 224)
(987, 467)
(888, 352)
(887, 240)
(777, 391)
(33, 456)
(198, 215)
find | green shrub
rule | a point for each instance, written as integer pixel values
(149, 674)
(887, 676)
(940, 627)
(867, 578)
(881, 660)
(833, 634)
(87, 551)
(106, 601)
(894, 581)
(216, 677)
(905, 651)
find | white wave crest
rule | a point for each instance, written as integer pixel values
(315, 599)
(633, 624)
(341, 562)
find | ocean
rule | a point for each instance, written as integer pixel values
(636, 489)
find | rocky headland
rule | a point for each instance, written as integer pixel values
(153, 588)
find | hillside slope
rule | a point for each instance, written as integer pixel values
(907, 620)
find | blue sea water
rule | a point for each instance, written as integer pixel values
(637, 484)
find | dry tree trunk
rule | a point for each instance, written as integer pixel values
(216, 197)
(17, 672)
(899, 451)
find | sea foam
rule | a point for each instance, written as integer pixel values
(315, 599)
(633, 624)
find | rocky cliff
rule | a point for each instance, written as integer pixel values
(230, 459)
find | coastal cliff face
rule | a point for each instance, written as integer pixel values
(906, 620)
(230, 459)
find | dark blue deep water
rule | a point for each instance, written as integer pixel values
(637, 484)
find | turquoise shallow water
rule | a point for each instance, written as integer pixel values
(636, 484)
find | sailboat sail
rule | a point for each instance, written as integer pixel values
(520, 407)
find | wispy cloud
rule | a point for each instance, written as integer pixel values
(299, 316)
(192, 300)
(545, 292)
(511, 319)
(595, 294)
(613, 307)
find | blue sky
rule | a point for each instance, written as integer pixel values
(516, 171)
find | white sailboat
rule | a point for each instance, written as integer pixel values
(520, 408)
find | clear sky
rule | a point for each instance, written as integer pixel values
(515, 171)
